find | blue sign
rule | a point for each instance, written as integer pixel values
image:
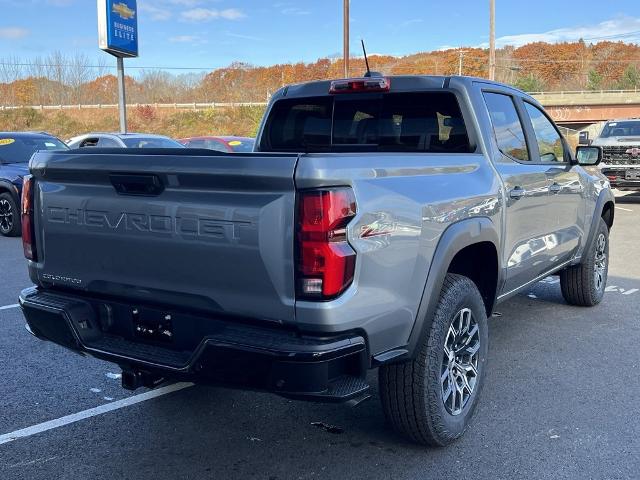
(118, 27)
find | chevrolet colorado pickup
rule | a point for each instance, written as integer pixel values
(620, 142)
(375, 226)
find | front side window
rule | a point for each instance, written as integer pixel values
(549, 140)
(392, 122)
(507, 126)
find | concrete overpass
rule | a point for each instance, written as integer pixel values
(580, 109)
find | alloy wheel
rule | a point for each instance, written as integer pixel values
(459, 374)
(6, 216)
(600, 264)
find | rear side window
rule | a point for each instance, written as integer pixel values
(507, 126)
(392, 122)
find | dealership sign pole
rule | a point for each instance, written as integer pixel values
(118, 35)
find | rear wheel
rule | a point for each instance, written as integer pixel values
(9, 216)
(432, 398)
(584, 284)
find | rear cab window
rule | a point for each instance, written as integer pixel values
(389, 122)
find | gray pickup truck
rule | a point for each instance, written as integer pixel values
(375, 226)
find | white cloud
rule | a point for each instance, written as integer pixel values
(13, 33)
(625, 29)
(208, 14)
(156, 13)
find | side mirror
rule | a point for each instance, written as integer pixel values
(588, 156)
(583, 139)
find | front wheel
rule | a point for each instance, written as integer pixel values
(584, 284)
(431, 398)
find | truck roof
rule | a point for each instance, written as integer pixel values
(399, 83)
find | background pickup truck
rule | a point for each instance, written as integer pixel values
(376, 225)
(620, 142)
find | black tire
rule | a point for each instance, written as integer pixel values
(584, 284)
(412, 392)
(10, 225)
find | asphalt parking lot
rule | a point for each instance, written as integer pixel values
(560, 402)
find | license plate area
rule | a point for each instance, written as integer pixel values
(633, 174)
(152, 325)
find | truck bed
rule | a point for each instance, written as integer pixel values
(215, 236)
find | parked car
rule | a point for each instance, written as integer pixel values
(620, 142)
(221, 144)
(16, 149)
(377, 225)
(123, 140)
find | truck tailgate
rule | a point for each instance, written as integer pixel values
(193, 229)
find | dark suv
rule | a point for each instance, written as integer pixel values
(16, 150)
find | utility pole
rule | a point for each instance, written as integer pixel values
(461, 53)
(492, 39)
(346, 39)
(122, 102)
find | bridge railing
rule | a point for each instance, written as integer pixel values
(582, 92)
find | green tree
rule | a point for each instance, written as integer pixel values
(630, 78)
(530, 83)
(594, 80)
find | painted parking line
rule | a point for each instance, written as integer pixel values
(9, 307)
(625, 209)
(92, 412)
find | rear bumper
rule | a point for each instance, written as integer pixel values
(200, 349)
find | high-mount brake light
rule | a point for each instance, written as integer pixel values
(361, 85)
(28, 230)
(326, 261)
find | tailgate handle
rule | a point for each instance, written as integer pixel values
(132, 184)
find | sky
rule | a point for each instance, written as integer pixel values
(205, 34)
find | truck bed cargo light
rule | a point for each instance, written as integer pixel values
(363, 85)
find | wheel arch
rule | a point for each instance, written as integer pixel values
(608, 213)
(458, 245)
(8, 187)
(605, 210)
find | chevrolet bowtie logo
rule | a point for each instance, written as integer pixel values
(123, 10)
(634, 152)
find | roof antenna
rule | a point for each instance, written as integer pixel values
(369, 73)
(366, 60)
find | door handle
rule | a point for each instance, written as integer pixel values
(555, 188)
(517, 192)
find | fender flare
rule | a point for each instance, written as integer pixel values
(455, 238)
(605, 196)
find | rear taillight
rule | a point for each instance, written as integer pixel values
(363, 85)
(326, 261)
(28, 231)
